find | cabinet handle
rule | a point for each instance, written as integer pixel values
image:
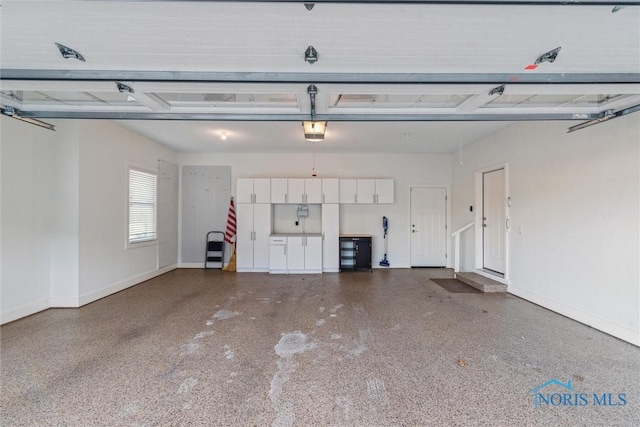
(322, 197)
(355, 198)
(286, 198)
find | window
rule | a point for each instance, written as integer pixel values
(142, 206)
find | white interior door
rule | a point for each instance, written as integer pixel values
(493, 221)
(428, 227)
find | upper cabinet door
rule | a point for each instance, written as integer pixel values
(262, 190)
(313, 190)
(384, 190)
(330, 190)
(296, 190)
(244, 190)
(348, 190)
(278, 190)
(366, 190)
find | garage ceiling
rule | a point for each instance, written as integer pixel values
(407, 76)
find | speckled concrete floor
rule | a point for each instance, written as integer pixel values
(367, 349)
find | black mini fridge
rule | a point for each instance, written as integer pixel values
(355, 252)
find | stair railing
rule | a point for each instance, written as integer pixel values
(456, 245)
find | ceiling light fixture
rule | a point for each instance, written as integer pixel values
(16, 114)
(549, 56)
(309, 6)
(223, 136)
(313, 129)
(67, 52)
(311, 55)
(606, 115)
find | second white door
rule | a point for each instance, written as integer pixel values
(428, 227)
(493, 221)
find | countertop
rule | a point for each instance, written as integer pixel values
(296, 235)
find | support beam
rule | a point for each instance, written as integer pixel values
(107, 115)
(317, 78)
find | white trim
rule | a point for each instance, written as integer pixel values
(191, 265)
(619, 331)
(448, 248)
(478, 220)
(492, 276)
(122, 285)
(252, 270)
(64, 302)
(25, 310)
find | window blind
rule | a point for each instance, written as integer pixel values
(142, 206)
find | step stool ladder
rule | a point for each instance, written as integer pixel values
(214, 252)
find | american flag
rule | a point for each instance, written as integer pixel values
(230, 233)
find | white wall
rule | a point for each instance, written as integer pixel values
(64, 214)
(26, 202)
(65, 211)
(575, 217)
(106, 152)
(406, 170)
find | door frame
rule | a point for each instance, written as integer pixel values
(447, 188)
(479, 246)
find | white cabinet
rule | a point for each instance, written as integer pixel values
(252, 236)
(313, 190)
(331, 237)
(313, 254)
(366, 191)
(295, 254)
(279, 190)
(253, 190)
(330, 190)
(278, 255)
(384, 190)
(304, 190)
(296, 190)
(304, 254)
(348, 190)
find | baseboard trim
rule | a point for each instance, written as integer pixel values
(120, 286)
(191, 265)
(64, 302)
(619, 331)
(24, 310)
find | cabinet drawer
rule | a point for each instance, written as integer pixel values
(277, 240)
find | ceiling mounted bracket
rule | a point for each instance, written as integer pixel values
(312, 90)
(17, 114)
(123, 88)
(67, 52)
(549, 56)
(499, 90)
(311, 55)
(309, 6)
(605, 116)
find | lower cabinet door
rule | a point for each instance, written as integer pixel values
(295, 253)
(313, 253)
(278, 258)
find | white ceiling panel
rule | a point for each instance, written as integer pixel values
(240, 66)
(202, 36)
